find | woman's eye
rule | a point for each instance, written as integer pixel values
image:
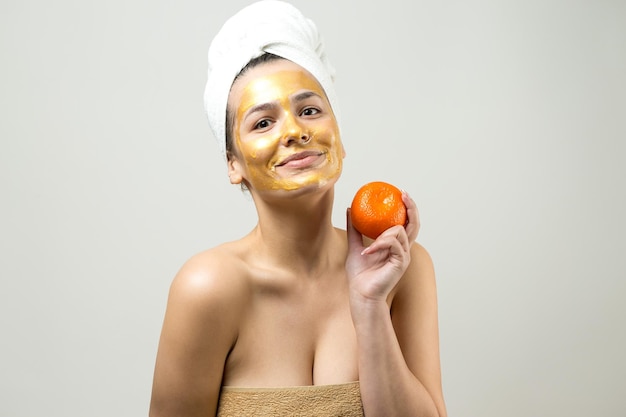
(309, 111)
(262, 124)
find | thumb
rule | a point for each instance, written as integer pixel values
(355, 238)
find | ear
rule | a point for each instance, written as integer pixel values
(235, 173)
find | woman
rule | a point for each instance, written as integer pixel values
(297, 317)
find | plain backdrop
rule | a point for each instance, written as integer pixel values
(505, 120)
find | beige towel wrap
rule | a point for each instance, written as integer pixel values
(315, 400)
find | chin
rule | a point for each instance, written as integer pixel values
(294, 188)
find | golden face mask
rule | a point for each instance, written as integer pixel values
(285, 131)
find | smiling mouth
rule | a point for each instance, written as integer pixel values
(300, 159)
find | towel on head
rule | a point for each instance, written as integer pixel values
(269, 26)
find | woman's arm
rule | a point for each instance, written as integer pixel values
(199, 329)
(399, 368)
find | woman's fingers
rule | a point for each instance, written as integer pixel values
(413, 220)
(394, 237)
(355, 238)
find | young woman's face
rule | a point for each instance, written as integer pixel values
(285, 133)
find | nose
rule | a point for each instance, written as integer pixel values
(294, 131)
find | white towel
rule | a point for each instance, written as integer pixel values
(265, 26)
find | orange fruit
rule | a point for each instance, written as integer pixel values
(376, 207)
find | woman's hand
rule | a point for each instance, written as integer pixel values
(374, 271)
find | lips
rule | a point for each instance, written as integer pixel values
(300, 158)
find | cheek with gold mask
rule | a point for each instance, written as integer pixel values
(262, 151)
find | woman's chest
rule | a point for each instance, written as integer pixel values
(294, 339)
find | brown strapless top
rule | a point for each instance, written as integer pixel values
(313, 400)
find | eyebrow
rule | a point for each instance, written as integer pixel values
(261, 107)
(272, 105)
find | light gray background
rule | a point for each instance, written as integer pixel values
(505, 120)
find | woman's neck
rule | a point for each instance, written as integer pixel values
(296, 232)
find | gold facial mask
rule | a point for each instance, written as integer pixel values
(280, 97)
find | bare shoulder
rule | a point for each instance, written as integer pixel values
(416, 296)
(419, 278)
(215, 274)
(420, 258)
(212, 282)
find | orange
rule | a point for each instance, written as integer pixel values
(376, 207)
